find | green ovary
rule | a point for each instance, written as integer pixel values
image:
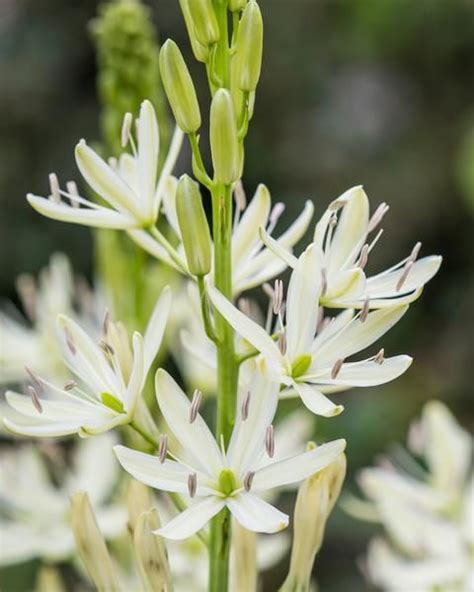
(300, 365)
(112, 402)
(227, 482)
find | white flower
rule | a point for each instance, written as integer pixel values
(34, 514)
(312, 364)
(223, 478)
(427, 513)
(345, 247)
(53, 293)
(129, 187)
(110, 379)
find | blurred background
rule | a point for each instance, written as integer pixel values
(372, 92)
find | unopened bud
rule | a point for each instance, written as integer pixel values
(201, 52)
(204, 20)
(226, 155)
(49, 580)
(249, 48)
(91, 544)
(193, 226)
(150, 553)
(139, 500)
(179, 88)
(244, 544)
(314, 503)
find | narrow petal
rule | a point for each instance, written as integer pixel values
(169, 203)
(137, 375)
(297, 229)
(247, 328)
(384, 285)
(192, 519)
(56, 410)
(277, 248)
(100, 218)
(168, 166)
(156, 328)
(297, 468)
(195, 437)
(148, 147)
(346, 285)
(315, 401)
(256, 515)
(51, 429)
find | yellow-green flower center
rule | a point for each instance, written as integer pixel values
(300, 365)
(227, 482)
(112, 402)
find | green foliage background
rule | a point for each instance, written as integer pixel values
(378, 92)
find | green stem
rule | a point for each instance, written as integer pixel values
(208, 326)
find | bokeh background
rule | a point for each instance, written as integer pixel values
(372, 92)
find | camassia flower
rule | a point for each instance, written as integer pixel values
(109, 378)
(130, 186)
(312, 364)
(345, 246)
(218, 477)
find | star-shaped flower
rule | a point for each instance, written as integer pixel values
(312, 364)
(223, 478)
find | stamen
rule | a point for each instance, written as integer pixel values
(376, 239)
(324, 281)
(239, 196)
(192, 484)
(55, 195)
(402, 279)
(163, 448)
(195, 404)
(268, 290)
(26, 288)
(377, 217)
(320, 319)
(106, 322)
(364, 255)
(270, 441)
(415, 251)
(243, 305)
(248, 480)
(245, 406)
(380, 357)
(70, 385)
(333, 221)
(34, 379)
(277, 296)
(35, 399)
(275, 214)
(126, 127)
(73, 194)
(106, 347)
(281, 341)
(70, 341)
(337, 368)
(364, 313)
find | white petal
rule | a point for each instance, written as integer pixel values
(105, 181)
(150, 245)
(47, 430)
(315, 401)
(297, 468)
(137, 375)
(195, 437)
(192, 519)
(277, 248)
(245, 326)
(148, 147)
(344, 286)
(332, 328)
(57, 410)
(168, 166)
(296, 230)
(255, 514)
(351, 230)
(169, 203)
(100, 218)
(384, 284)
(302, 303)
(156, 328)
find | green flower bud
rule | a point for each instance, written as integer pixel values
(205, 23)
(237, 5)
(201, 52)
(139, 500)
(193, 226)
(249, 47)
(91, 544)
(179, 88)
(226, 155)
(244, 543)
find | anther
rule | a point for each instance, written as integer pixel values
(248, 480)
(106, 347)
(195, 404)
(402, 279)
(35, 399)
(245, 406)
(277, 296)
(320, 319)
(324, 281)
(364, 255)
(268, 290)
(73, 192)
(377, 217)
(70, 385)
(276, 212)
(126, 127)
(364, 313)
(336, 368)
(26, 288)
(34, 379)
(270, 441)
(70, 341)
(415, 251)
(281, 342)
(106, 322)
(243, 305)
(239, 196)
(380, 357)
(192, 484)
(163, 448)
(333, 220)
(54, 188)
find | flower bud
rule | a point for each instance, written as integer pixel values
(249, 48)
(49, 580)
(139, 500)
(244, 547)
(237, 5)
(150, 553)
(226, 155)
(204, 20)
(314, 502)
(179, 88)
(201, 52)
(91, 544)
(193, 226)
